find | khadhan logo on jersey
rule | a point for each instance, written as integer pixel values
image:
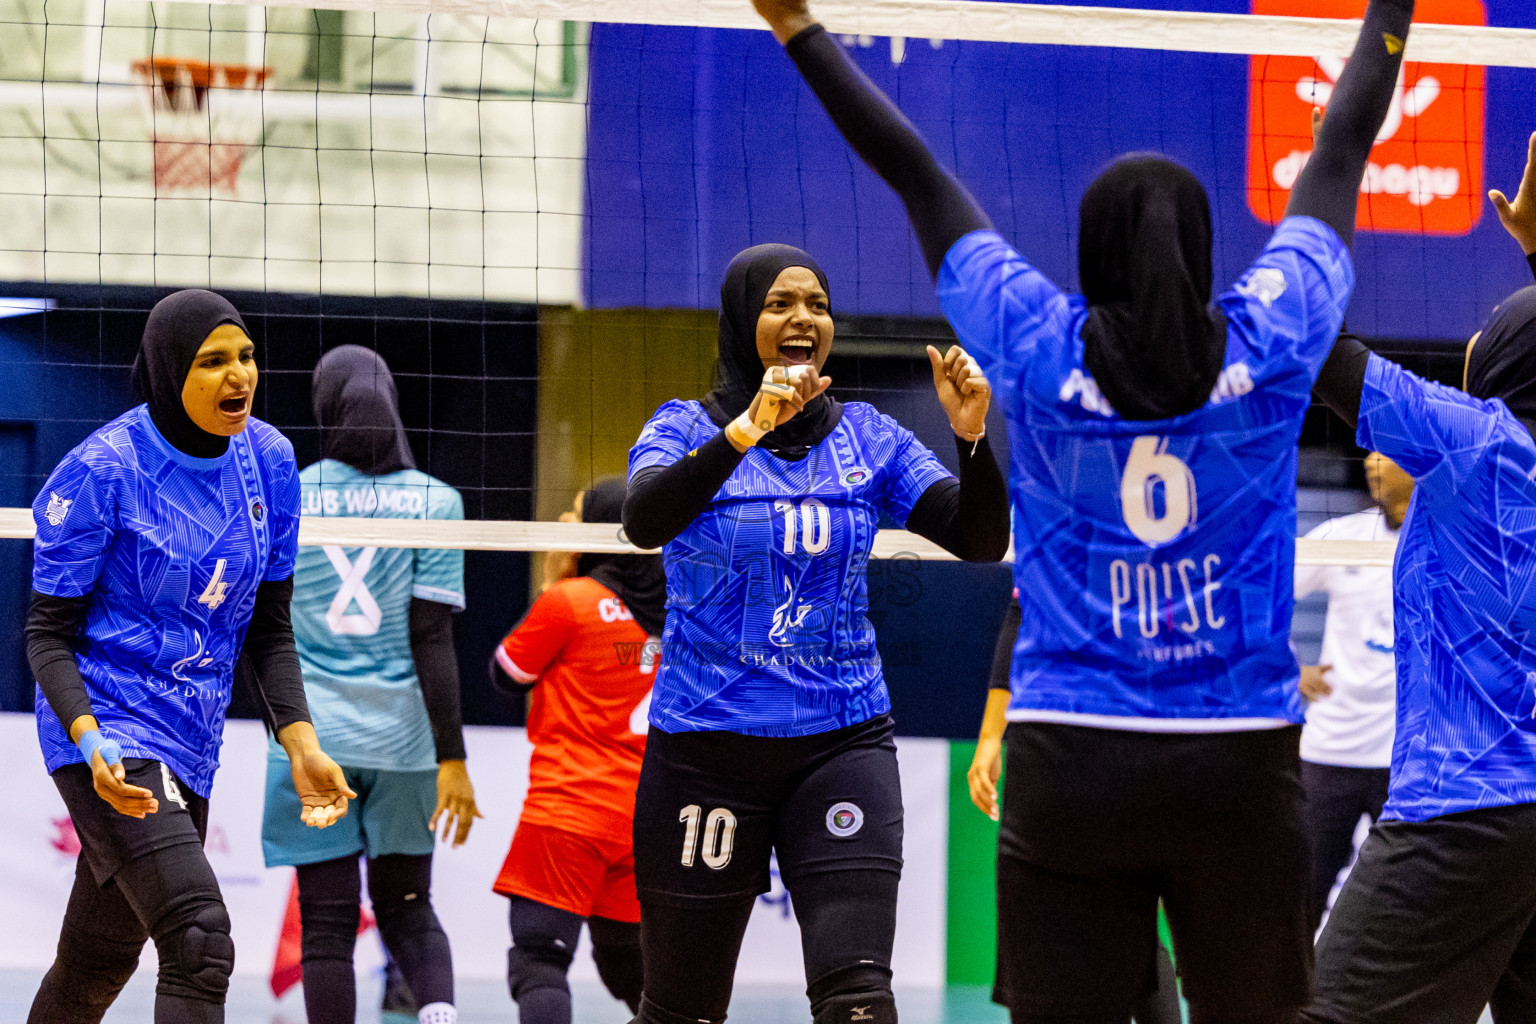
(855, 476)
(258, 510)
(57, 508)
(844, 819)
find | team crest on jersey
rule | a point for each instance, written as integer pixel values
(1265, 284)
(844, 819)
(855, 476)
(258, 510)
(57, 508)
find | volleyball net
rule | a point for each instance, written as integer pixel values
(526, 207)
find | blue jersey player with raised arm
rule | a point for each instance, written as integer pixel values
(770, 722)
(165, 547)
(1438, 917)
(1153, 737)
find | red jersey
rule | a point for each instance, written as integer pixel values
(587, 714)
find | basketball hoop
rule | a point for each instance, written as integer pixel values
(202, 118)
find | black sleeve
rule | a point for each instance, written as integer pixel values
(967, 517)
(940, 208)
(52, 624)
(1002, 654)
(1342, 379)
(663, 500)
(1329, 186)
(504, 682)
(273, 660)
(1531, 260)
(437, 667)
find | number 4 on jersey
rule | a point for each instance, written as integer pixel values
(213, 593)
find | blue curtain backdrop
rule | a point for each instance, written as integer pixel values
(705, 141)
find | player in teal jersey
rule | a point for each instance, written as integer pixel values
(376, 646)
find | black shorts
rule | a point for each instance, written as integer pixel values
(109, 839)
(1099, 824)
(712, 806)
(1434, 922)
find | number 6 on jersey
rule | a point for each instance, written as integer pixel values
(1151, 465)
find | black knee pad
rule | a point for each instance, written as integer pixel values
(619, 968)
(329, 932)
(196, 951)
(873, 1007)
(537, 963)
(859, 993)
(650, 1013)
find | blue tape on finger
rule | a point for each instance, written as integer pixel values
(92, 741)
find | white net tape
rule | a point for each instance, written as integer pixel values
(604, 538)
(984, 21)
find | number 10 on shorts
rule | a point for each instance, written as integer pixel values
(718, 839)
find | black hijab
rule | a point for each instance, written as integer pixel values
(177, 328)
(638, 580)
(358, 410)
(1503, 362)
(1153, 342)
(738, 367)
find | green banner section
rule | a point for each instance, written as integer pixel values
(972, 912)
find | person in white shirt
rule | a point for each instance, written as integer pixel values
(1346, 745)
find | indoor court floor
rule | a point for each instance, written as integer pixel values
(486, 1002)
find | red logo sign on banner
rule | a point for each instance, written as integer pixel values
(1425, 174)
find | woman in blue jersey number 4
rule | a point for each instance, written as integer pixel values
(1438, 917)
(1153, 744)
(165, 541)
(770, 725)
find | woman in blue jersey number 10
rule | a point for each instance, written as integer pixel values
(165, 541)
(770, 722)
(1153, 737)
(1438, 917)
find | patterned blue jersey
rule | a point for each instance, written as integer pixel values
(1153, 558)
(766, 591)
(1465, 584)
(352, 617)
(170, 549)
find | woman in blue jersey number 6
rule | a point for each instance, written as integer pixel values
(1153, 737)
(165, 542)
(770, 725)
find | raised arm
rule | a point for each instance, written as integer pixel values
(1329, 186)
(940, 208)
(1519, 216)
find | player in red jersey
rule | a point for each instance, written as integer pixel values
(587, 651)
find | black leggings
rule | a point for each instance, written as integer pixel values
(330, 897)
(847, 928)
(170, 894)
(543, 944)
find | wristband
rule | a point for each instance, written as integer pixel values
(975, 439)
(92, 740)
(742, 432)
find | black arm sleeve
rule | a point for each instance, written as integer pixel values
(504, 682)
(437, 667)
(1002, 654)
(967, 517)
(1329, 186)
(663, 500)
(52, 624)
(274, 661)
(1342, 379)
(1531, 259)
(940, 208)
